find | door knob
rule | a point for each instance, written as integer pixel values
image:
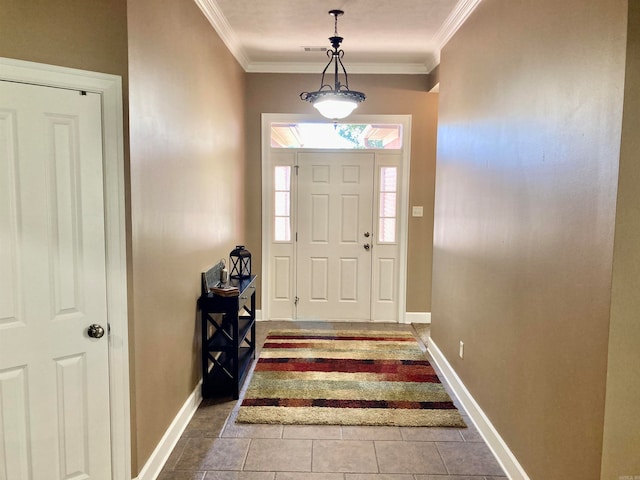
(95, 331)
(367, 247)
(366, 234)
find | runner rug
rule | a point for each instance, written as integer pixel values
(322, 377)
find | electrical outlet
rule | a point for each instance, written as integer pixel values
(461, 351)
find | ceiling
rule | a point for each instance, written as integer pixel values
(380, 36)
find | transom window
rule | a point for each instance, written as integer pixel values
(336, 136)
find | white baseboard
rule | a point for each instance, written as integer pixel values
(158, 458)
(494, 441)
(409, 317)
(417, 317)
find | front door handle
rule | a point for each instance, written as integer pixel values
(367, 247)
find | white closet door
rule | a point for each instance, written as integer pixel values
(54, 378)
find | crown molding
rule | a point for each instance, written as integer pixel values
(458, 16)
(220, 24)
(353, 68)
(454, 21)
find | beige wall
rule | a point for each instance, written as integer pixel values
(621, 447)
(434, 78)
(528, 148)
(70, 33)
(187, 209)
(386, 94)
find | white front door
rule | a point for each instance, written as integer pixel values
(334, 225)
(54, 378)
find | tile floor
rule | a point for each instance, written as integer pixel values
(214, 447)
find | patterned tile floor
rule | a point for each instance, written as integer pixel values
(214, 447)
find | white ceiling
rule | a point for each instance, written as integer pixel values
(380, 36)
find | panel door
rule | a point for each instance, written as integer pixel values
(334, 225)
(54, 378)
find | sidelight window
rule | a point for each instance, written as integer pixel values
(282, 204)
(387, 210)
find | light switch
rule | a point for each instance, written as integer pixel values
(416, 211)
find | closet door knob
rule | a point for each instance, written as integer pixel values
(95, 331)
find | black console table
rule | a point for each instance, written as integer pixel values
(228, 338)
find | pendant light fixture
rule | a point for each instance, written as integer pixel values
(337, 101)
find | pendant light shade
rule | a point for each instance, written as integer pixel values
(337, 101)
(335, 106)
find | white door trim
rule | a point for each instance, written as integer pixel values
(110, 89)
(405, 120)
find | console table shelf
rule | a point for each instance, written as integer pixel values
(228, 338)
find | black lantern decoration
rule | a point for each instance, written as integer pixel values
(240, 259)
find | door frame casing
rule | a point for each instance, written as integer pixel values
(403, 228)
(109, 87)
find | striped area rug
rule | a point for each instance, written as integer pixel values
(323, 377)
